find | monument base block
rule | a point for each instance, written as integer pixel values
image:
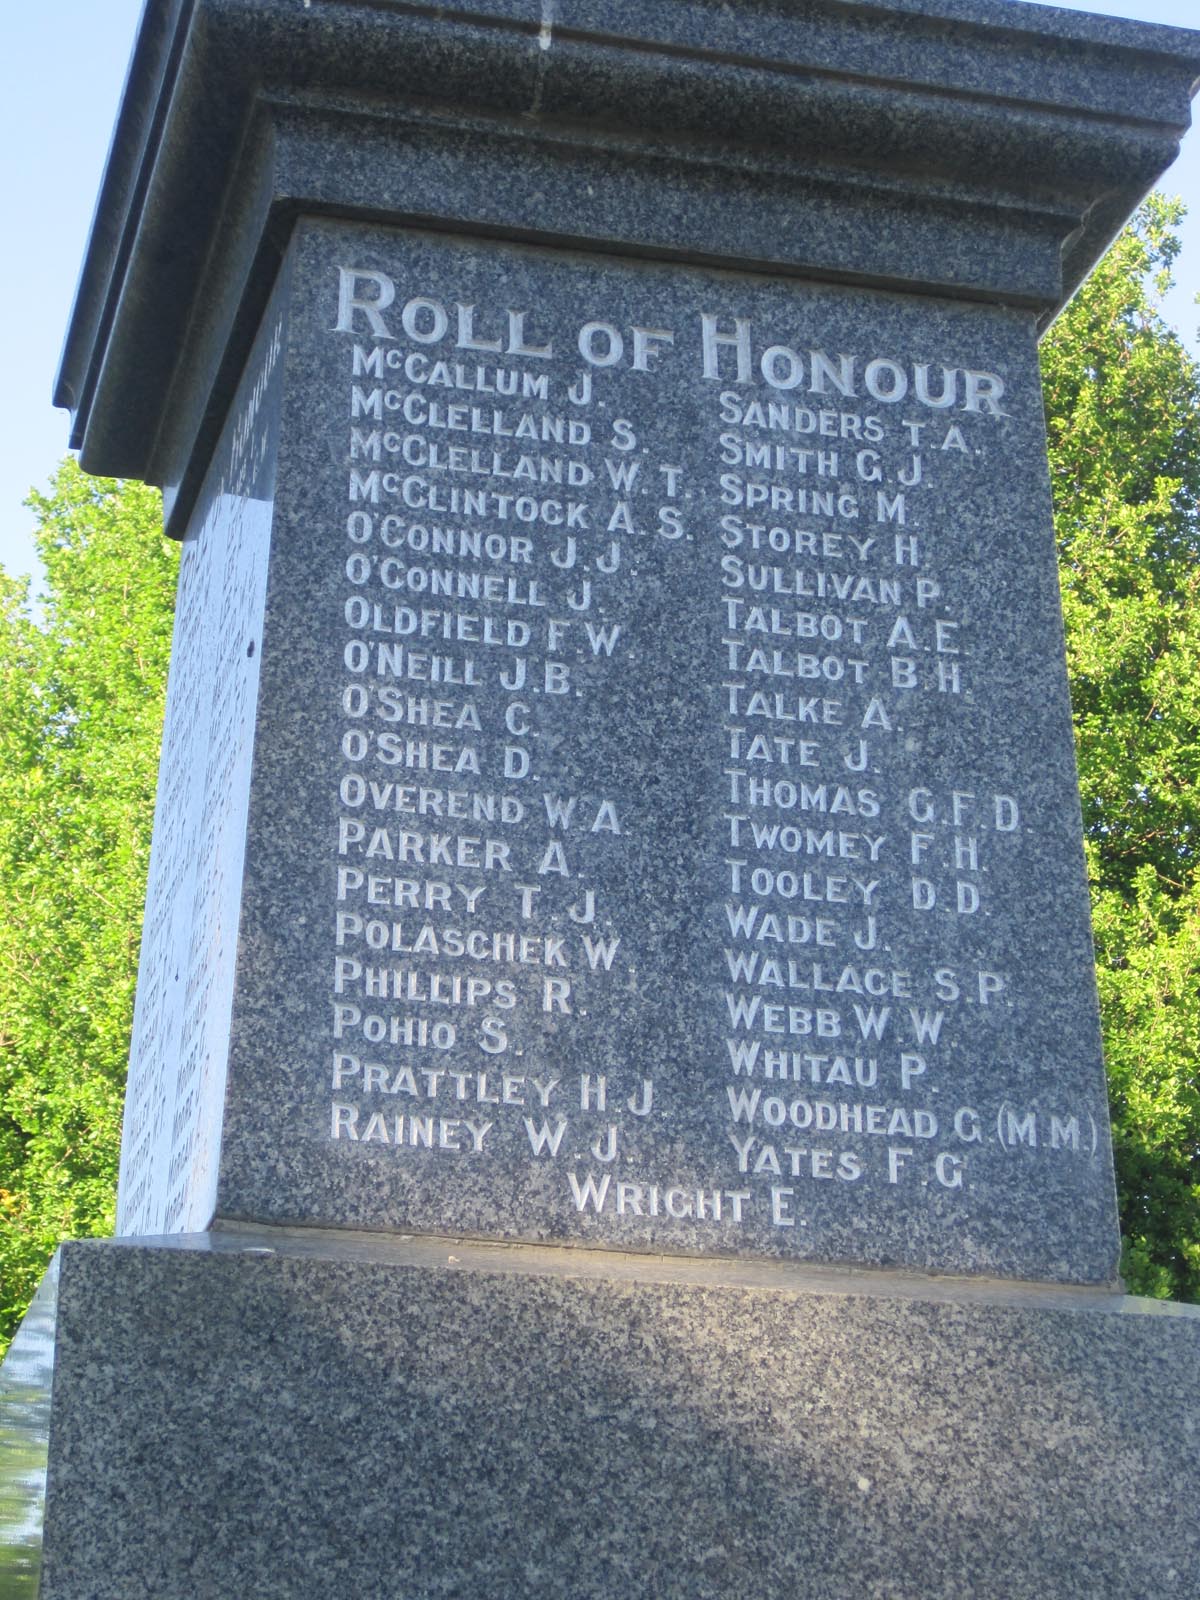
(282, 1415)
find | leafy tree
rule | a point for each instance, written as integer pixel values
(1123, 416)
(81, 693)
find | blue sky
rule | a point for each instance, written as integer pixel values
(61, 73)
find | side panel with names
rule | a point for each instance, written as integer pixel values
(175, 1098)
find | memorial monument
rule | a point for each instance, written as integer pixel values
(616, 1105)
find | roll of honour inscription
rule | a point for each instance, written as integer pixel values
(703, 770)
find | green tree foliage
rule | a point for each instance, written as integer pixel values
(1123, 415)
(81, 696)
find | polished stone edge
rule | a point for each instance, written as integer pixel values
(459, 1254)
(26, 1378)
(1012, 104)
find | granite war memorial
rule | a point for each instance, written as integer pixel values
(616, 1105)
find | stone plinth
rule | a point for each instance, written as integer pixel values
(446, 1419)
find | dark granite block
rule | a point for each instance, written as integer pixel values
(663, 827)
(461, 1422)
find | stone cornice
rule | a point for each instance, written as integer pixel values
(979, 148)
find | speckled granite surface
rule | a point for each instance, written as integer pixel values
(663, 783)
(471, 1424)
